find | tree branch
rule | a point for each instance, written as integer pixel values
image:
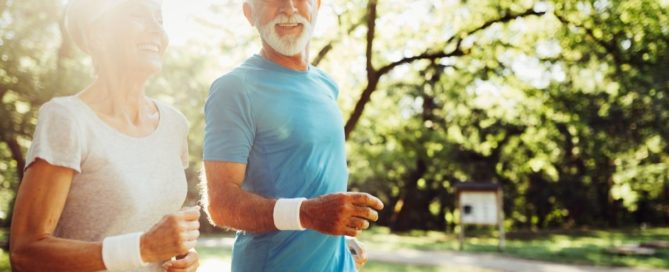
(17, 155)
(424, 56)
(3, 91)
(458, 50)
(608, 47)
(322, 53)
(373, 75)
(371, 31)
(503, 19)
(327, 48)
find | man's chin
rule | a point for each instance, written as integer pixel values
(287, 48)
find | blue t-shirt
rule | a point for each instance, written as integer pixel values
(286, 127)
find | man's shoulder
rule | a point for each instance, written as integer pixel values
(233, 81)
(325, 78)
(236, 79)
(321, 73)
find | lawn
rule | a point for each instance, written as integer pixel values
(569, 247)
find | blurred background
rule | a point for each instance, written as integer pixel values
(562, 103)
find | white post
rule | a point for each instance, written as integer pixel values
(500, 217)
(461, 237)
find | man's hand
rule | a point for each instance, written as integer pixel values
(358, 251)
(340, 214)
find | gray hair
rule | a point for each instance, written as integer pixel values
(81, 14)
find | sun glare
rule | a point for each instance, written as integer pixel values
(181, 19)
(197, 20)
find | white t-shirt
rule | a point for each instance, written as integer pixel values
(122, 184)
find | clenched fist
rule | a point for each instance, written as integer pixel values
(174, 235)
(341, 213)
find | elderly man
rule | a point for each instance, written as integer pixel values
(274, 153)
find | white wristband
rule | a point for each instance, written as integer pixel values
(287, 214)
(122, 252)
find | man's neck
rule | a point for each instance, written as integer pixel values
(299, 62)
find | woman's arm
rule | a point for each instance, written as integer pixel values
(39, 204)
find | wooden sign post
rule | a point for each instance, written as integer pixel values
(480, 203)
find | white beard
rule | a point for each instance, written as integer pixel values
(289, 45)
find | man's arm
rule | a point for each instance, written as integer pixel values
(230, 206)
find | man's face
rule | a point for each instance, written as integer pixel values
(286, 25)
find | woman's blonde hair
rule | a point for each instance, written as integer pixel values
(82, 14)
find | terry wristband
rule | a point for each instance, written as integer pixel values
(122, 252)
(287, 214)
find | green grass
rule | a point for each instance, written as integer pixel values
(569, 247)
(214, 258)
(4, 261)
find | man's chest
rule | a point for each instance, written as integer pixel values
(297, 119)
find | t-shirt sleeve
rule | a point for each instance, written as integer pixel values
(57, 138)
(331, 84)
(229, 124)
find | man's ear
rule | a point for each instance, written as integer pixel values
(248, 13)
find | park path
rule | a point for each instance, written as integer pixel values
(485, 261)
(456, 260)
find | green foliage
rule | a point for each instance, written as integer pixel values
(565, 110)
(562, 102)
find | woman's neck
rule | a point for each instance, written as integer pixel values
(123, 100)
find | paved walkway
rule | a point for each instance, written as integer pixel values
(451, 259)
(490, 262)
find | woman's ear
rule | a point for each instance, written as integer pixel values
(93, 41)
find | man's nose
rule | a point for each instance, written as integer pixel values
(288, 7)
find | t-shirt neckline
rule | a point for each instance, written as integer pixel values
(101, 122)
(276, 67)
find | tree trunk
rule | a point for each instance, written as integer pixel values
(17, 155)
(411, 215)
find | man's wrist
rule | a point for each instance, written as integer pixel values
(304, 215)
(287, 215)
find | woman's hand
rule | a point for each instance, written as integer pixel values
(188, 263)
(176, 234)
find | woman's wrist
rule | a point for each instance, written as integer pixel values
(122, 252)
(147, 257)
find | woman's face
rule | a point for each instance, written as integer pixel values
(132, 38)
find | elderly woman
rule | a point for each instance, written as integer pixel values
(104, 181)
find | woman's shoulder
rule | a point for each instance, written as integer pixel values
(62, 108)
(172, 114)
